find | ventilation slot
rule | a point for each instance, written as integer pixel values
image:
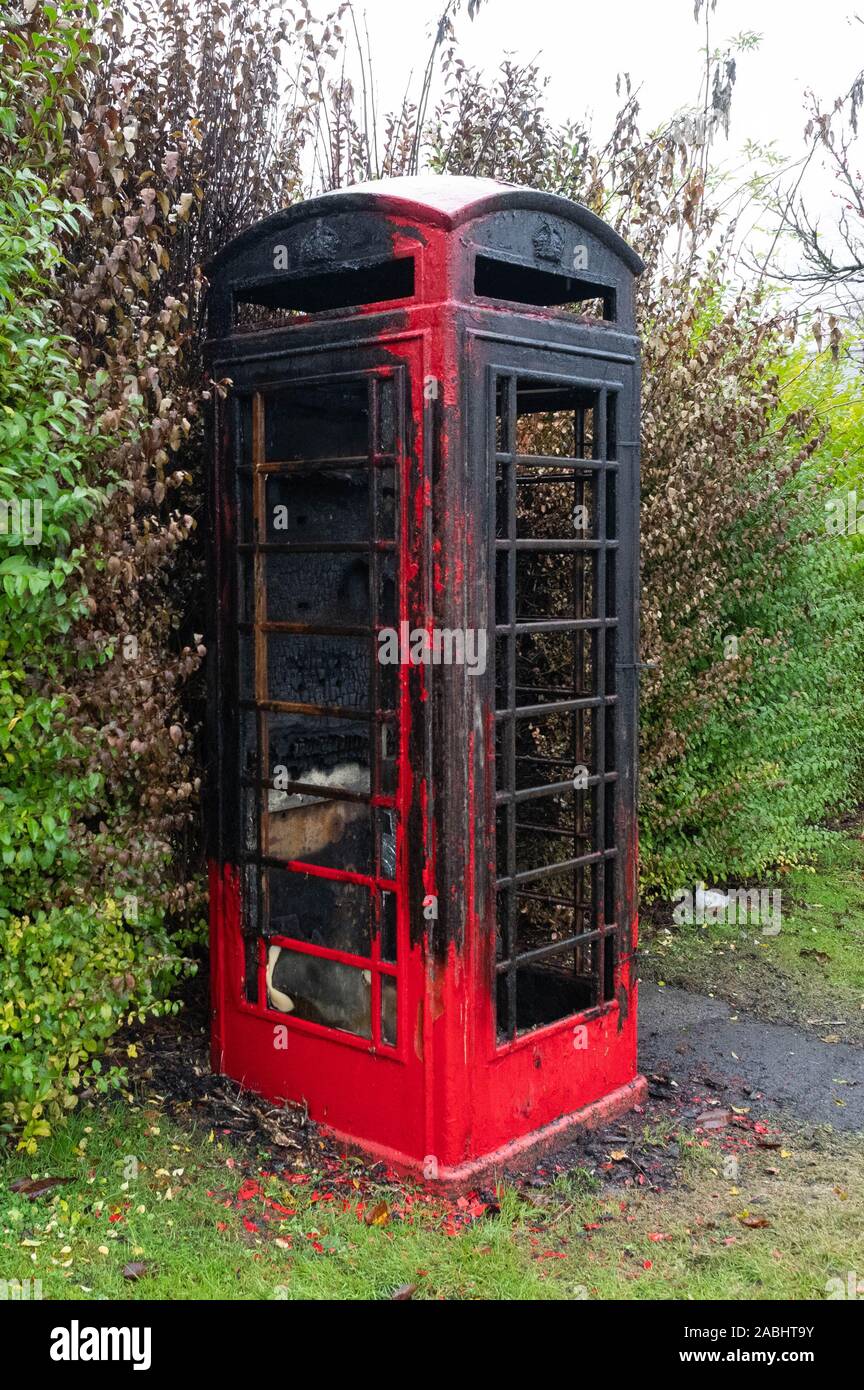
(339, 288)
(494, 279)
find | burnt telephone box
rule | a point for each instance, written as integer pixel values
(423, 653)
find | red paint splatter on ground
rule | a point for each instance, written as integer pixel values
(263, 1201)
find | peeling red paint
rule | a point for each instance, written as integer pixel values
(447, 1094)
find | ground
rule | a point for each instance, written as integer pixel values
(810, 975)
(742, 1177)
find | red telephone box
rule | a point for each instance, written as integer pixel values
(424, 661)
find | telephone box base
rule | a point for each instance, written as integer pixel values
(485, 1169)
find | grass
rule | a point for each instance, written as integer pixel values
(199, 1215)
(810, 974)
(746, 1219)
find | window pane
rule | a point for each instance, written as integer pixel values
(549, 748)
(325, 421)
(388, 1010)
(318, 670)
(320, 991)
(547, 991)
(324, 831)
(321, 588)
(388, 926)
(551, 505)
(321, 911)
(317, 504)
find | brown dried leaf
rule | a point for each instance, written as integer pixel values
(34, 1187)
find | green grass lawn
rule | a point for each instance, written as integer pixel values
(810, 974)
(203, 1216)
(209, 1221)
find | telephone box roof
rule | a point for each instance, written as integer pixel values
(441, 200)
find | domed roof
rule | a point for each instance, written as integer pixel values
(447, 193)
(442, 200)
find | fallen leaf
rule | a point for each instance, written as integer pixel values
(754, 1223)
(379, 1215)
(618, 1154)
(34, 1187)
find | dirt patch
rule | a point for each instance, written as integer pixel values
(774, 1067)
(171, 1073)
(746, 980)
(643, 1150)
(808, 976)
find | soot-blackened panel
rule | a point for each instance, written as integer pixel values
(319, 990)
(318, 577)
(325, 752)
(328, 420)
(318, 670)
(324, 587)
(318, 505)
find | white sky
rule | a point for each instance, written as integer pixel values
(805, 43)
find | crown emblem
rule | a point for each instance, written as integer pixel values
(319, 245)
(548, 242)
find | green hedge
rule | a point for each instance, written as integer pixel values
(782, 748)
(70, 969)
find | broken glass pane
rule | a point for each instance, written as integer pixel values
(320, 991)
(322, 911)
(328, 420)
